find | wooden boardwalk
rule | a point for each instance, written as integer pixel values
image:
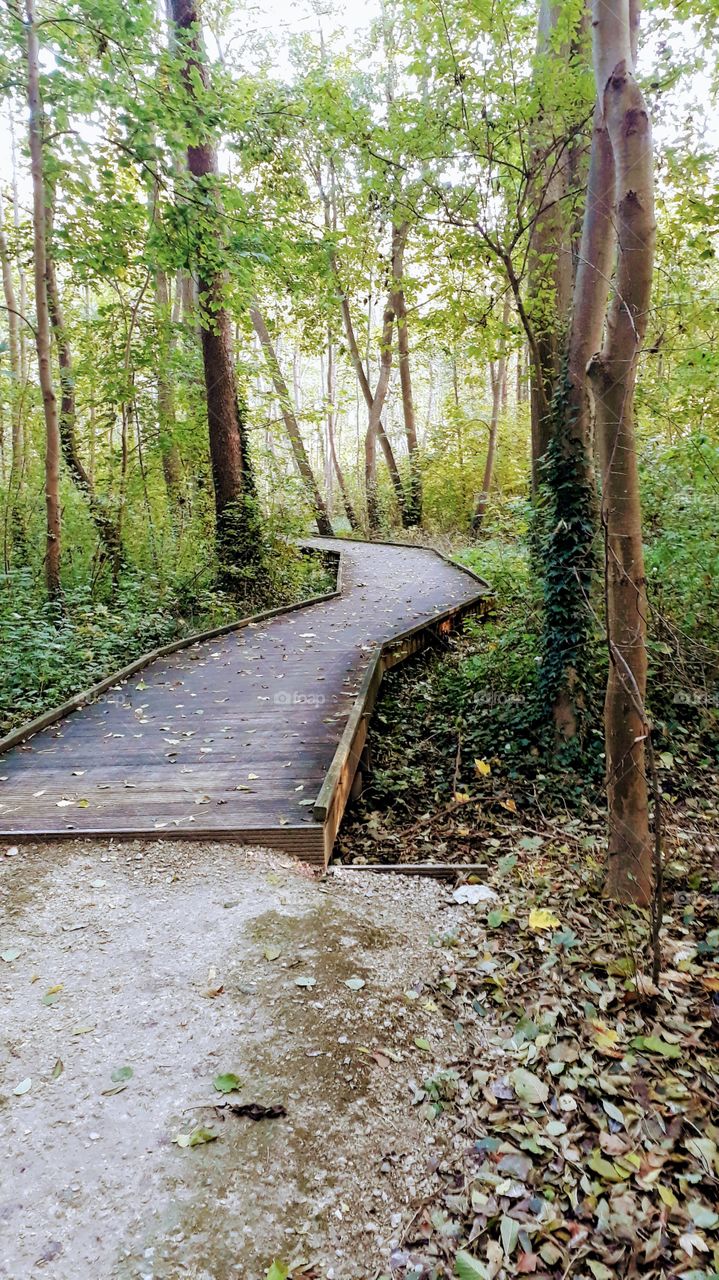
(254, 735)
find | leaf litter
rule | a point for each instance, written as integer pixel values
(584, 1113)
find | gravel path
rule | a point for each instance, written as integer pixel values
(181, 962)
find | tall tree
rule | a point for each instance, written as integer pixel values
(14, 320)
(399, 303)
(498, 381)
(67, 421)
(613, 374)
(289, 417)
(238, 542)
(42, 313)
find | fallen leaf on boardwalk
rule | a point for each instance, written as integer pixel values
(23, 1087)
(355, 984)
(541, 918)
(227, 1082)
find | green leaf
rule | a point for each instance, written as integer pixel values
(468, 1268)
(654, 1044)
(197, 1138)
(122, 1073)
(11, 954)
(227, 1082)
(355, 984)
(423, 1044)
(272, 953)
(278, 1271)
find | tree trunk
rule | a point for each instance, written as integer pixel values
(366, 390)
(375, 414)
(498, 376)
(331, 421)
(550, 258)
(613, 375)
(42, 330)
(414, 502)
(569, 558)
(67, 422)
(239, 541)
(169, 451)
(17, 459)
(319, 509)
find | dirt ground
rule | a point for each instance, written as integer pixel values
(182, 962)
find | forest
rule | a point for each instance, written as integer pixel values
(286, 284)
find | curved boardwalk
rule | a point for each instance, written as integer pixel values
(234, 735)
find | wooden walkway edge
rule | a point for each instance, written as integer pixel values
(356, 629)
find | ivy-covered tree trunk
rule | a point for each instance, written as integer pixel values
(239, 541)
(42, 325)
(569, 554)
(289, 418)
(613, 374)
(550, 258)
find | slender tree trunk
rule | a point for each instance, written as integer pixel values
(414, 502)
(169, 451)
(331, 419)
(550, 259)
(375, 414)
(498, 377)
(17, 458)
(42, 332)
(291, 424)
(329, 474)
(613, 375)
(239, 539)
(67, 421)
(366, 390)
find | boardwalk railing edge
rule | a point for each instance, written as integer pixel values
(78, 700)
(335, 790)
